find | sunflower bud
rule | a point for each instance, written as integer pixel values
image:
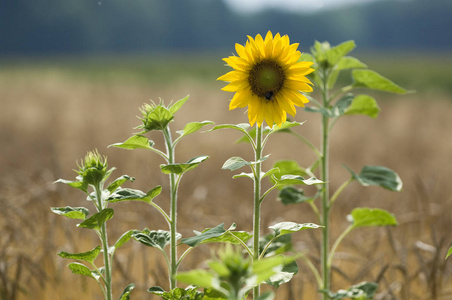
(155, 117)
(93, 169)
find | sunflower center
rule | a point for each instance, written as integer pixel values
(266, 78)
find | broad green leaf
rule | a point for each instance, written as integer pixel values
(179, 169)
(88, 256)
(368, 217)
(127, 194)
(292, 195)
(272, 171)
(268, 266)
(78, 268)
(285, 126)
(98, 219)
(199, 278)
(290, 227)
(295, 179)
(349, 62)
(363, 105)
(176, 106)
(340, 107)
(333, 78)
(155, 238)
(236, 162)
(243, 174)
(333, 55)
(379, 176)
(279, 245)
(124, 238)
(135, 142)
(78, 184)
(230, 237)
(361, 291)
(288, 167)
(79, 213)
(449, 252)
(372, 80)
(125, 294)
(283, 276)
(193, 127)
(118, 182)
(208, 233)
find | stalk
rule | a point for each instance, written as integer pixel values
(257, 202)
(104, 239)
(325, 191)
(173, 213)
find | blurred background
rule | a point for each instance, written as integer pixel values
(73, 75)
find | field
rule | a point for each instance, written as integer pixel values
(52, 113)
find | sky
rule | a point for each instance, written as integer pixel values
(247, 6)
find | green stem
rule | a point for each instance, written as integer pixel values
(308, 143)
(104, 240)
(325, 192)
(313, 269)
(339, 191)
(173, 213)
(257, 202)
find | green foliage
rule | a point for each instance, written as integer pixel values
(154, 238)
(88, 256)
(284, 228)
(126, 293)
(78, 268)
(363, 105)
(372, 80)
(189, 293)
(449, 252)
(126, 194)
(193, 127)
(71, 212)
(368, 217)
(362, 291)
(218, 234)
(378, 176)
(135, 142)
(98, 219)
(180, 169)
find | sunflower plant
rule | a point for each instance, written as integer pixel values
(335, 103)
(93, 173)
(158, 117)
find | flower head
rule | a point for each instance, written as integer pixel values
(93, 169)
(268, 78)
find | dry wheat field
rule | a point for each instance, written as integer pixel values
(50, 118)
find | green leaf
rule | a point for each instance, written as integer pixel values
(273, 171)
(449, 252)
(333, 55)
(118, 182)
(372, 80)
(295, 179)
(289, 167)
(125, 294)
(340, 107)
(199, 278)
(189, 293)
(79, 213)
(269, 295)
(135, 142)
(368, 217)
(361, 291)
(193, 127)
(134, 195)
(291, 195)
(98, 219)
(78, 184)
(179, 169)
(155, 238)
(285, 127)
(236, 162)
(349, 62)
(363, 105)
(124, 238)
(333, 78)
(213, 235)
(88, 256)
(379, 176)
(279, 245)
(290, 227)
(265, 268)
(243, 127)
(81, 269)
(176, 106)
(283, 276)
(243, 174)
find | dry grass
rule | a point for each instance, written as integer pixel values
(49, 119)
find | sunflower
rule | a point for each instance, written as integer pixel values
(268, 78)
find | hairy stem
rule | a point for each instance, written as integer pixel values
(257, 202)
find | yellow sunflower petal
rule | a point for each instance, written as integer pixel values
(233, 76)
(286, 105)
(297, 85)
(240, 99)
(235, 86)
